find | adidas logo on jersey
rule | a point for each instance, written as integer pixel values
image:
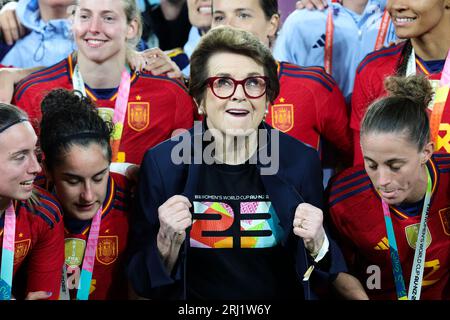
(382, 245)
(320, 43)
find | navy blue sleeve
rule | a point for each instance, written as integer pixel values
(146, 271)
(311, 190)
(4, 49)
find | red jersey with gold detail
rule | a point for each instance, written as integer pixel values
(357, 215)
(156, 107)
(108, 279)
(310, 107)
(38, 243)
(369, 86)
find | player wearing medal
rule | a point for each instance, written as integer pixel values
(310, 106)
(103, 31)
(75, 143)
(356, 28)
(398, 159)
(28, 213)
(425, 25)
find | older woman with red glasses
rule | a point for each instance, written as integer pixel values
(232, 194)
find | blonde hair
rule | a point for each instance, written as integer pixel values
(132, 13)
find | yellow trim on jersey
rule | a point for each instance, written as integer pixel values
(399, 213)
(108, 203)
(175, 52)
(89, 92)
(422, 67)
(70, 61)
(105, 207)
(94, 98)
(91, 95)
(433, 174)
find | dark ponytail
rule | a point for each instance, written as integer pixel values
(403, 111)
(403, 63)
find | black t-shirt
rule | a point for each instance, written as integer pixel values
(234, 250)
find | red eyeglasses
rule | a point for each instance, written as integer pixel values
(224, 87)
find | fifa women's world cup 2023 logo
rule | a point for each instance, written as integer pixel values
(106, 254)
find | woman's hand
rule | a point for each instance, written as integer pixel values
(174, 218)
(308, 224)
(312, 4)
(155, 61)
(7, 81)
(10, 26)
(8, 78)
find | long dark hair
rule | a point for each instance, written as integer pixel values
(403, 62)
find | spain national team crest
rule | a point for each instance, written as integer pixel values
(444, 214)
(107, 249)
(138, 115)
(412, 232)
(21, 250)
(283, 117)
(74, 251)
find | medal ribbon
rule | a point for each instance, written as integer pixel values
(89, 258)
(7, 266)
(64, 290)
(383, 30)
(329, 35)
(441, 94)
(118, 120)
(120, 107)
(415, 285)
(329, 31)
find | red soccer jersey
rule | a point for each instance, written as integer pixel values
(369, 86)
(310, 107)
(38, 243)
(358, 218)
(108, 279)
(157, 106)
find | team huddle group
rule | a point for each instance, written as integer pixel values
(95, 203)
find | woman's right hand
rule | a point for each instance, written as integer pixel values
(312, 4)
(174, 218)
(10, 26)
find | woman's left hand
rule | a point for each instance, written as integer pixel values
(308, 225)
(155, 61)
